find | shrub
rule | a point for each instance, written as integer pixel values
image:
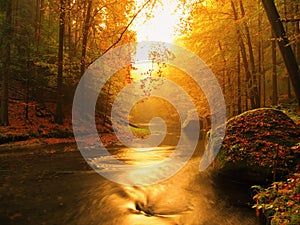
(12, 137)
(279, 203)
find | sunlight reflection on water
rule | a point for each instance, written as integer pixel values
(142, 160)
(187, 198)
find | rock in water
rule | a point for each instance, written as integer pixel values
(257, 144)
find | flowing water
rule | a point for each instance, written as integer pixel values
(189, 197)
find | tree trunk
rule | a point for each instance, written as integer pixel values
(224, 67)
(297, 32)
(244, 55)
(239, 94)
(29, 67)
(85, 34)
(254, 84)
(7, 64)
(37, 42)
(289, 91)
(38, 21)
(259, 56)
(274, 70)
(284, 46)
(70, 47)
(263, 76)
(59, 103)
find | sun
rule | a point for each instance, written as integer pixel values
(162, 24)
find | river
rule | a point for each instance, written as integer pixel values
(189, 197)
(53, 185)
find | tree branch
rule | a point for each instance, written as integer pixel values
(126, 28)
(290, 20)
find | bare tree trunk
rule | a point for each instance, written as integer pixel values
(274, 70)
(244, 54)
(297, 31)
(263, 76)
(85, 33)
(59, 103)
(39, 4)
(224, 68)
(254, 84)
(39, 14)
(28, 82)
(284, 46)
(7, 65)
(259, 56)
(239, 94)
(289, 90)
(70, 48)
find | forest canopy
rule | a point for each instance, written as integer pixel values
(46, 46)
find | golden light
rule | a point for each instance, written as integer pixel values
(161, 25)
(207, 3)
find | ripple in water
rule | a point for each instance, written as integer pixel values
(188, 198)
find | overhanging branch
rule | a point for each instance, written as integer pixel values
(127, 27)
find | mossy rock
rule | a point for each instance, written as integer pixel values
(255, 142)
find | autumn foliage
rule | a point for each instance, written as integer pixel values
(263, 139)
(280, 202)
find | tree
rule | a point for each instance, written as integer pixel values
(284, 46)
(7, 63)
(85, 32)
(59, 103)
(47, 61)
(274, 74)
(242, 29)
(254, 89)
(244, 54)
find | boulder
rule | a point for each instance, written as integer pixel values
(259, 145)
(192, 118)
